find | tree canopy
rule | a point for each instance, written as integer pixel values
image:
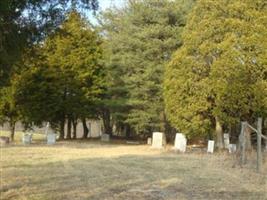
(67, 77)
(219, 74)
(140, 38)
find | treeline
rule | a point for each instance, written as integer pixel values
(197, 67)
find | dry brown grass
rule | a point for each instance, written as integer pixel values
(92, 170)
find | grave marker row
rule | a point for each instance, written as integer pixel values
(158, 141)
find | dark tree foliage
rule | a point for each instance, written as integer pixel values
(24, 22)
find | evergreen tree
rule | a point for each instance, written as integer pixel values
(141, 38)
(68, 81)
(219, 75)
(23, 23)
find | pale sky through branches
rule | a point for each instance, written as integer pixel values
(104, 4)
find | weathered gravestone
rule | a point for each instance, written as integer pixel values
(4, 140)
(180, 142)
(50, 135)
(51, 138)
(149, 141)
(105, 138)
(232, 148)
(158, 140)
(210, 146)
(226, 140)
(27, 138)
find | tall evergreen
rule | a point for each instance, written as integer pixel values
(66, 80)
(141, 38)
(23, 24)
(218, 77)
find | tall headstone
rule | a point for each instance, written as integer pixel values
(226, 140)
(210, 146)
(180, 142)
(50, 135)
(158, 140)
(105, 138)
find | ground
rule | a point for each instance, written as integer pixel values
(95, 170)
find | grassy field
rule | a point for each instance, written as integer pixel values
(93, 170)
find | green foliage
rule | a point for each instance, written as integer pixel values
(141, 37)
(8, 107)
(220, 71)
(23, 22)
(66, 77)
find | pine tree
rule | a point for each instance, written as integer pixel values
(142, 37)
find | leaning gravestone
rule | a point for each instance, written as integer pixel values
(105, 138)
(180, 142)
(210, 146)
(226, 140)
(50, 135)
(158, 140)
(27, 138)
(149, 141)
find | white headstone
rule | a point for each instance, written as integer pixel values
(149, 141)
(158, 140)
(232, 148)
(105, 138)
(50, 135)
(180, 142)
(210, 146)
(27, 138)
(226, 140)
(51, 138)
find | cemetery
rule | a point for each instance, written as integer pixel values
(133, 100)
(116, 170)
(174, 168)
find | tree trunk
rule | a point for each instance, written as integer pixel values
(74, 125)
(248, 132)
(12, 130)
(127, 131)
(219, 134)
(85, 128)
(264, 131)
(69, 128)
(106, 122)
(62, 127)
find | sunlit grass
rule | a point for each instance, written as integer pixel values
(95, 170)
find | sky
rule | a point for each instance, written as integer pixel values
(104, 4)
